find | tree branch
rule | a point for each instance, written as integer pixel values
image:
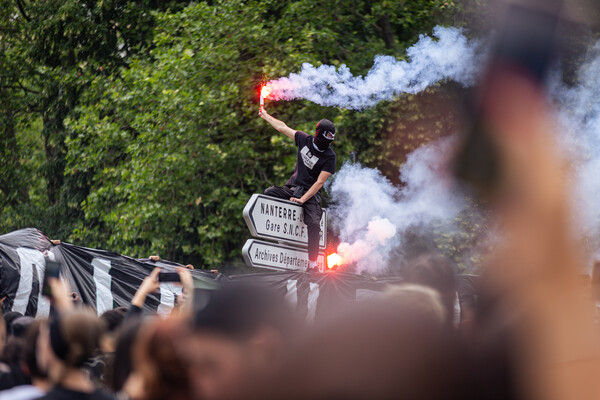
(28, 90)
(364, 19)
(386, 31)
(21, 7)
(20, 87)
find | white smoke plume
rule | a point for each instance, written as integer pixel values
(451, 56)
(379, 230)
(579, 115)
(375, 216)
(429, 202)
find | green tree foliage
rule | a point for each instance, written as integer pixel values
(174, 144)
(135, 123)
(50, 52)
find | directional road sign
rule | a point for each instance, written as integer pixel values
(258, 253)
(277, 219)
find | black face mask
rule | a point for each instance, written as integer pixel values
(321, 142)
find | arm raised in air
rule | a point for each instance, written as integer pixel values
(279, 126)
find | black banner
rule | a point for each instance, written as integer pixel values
(106, 280)
(103, 280)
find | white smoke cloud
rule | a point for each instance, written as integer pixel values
(362, 195)
(379, 230)
(579, 115)
(451, 56)
(373, 216)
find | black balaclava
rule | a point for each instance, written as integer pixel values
(320, 140)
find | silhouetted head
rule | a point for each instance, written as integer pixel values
(240, 335)
(437, 272)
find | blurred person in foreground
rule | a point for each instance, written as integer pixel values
(112, 319)
(33, 368)
(151, 360)
(420, 298)
(9, 318)
(3, 367)
(127, 340)
(123, 361)
(100, 366)
(241, 335)
(160, 365)
(314, 164)
(11, 357)
(20, 326)
(438, 273)
(396, 346)
(71, 338)
(9, 375)
(536, 333)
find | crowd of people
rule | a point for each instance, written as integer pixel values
(245, 341)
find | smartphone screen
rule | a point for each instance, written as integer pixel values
(168, 277)
(52, 271)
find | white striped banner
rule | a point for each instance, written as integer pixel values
(26, 261)
(102, 279)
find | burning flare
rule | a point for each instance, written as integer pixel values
(334, 259)
(264, 92)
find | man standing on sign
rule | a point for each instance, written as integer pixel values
(316, 161)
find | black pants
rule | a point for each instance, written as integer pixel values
(312, 215)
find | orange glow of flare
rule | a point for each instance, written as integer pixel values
(334, 259)
(265, 91)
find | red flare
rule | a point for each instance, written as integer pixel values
(265, 91)
(333, 260)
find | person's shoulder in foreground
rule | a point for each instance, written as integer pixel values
(62, 393)
(22, 392)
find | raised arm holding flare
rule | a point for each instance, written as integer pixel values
(279, 126)
(315, 163)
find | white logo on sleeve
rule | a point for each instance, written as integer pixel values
(308, 159)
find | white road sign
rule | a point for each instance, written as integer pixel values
(277, 219)
(277, 256)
